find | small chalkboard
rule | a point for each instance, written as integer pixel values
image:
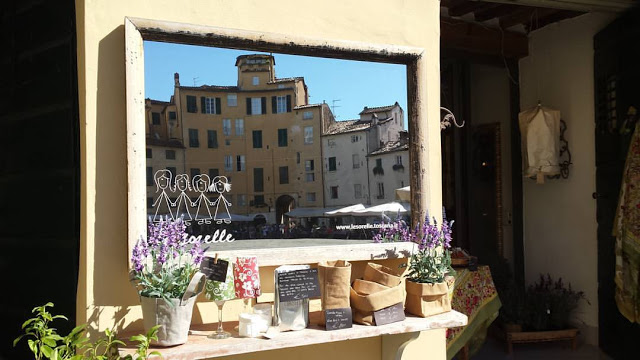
(214, 270)
(298, 285)
(388, 315)
(337, 319)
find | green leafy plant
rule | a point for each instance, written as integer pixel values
(45, 343)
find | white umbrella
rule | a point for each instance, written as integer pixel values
(302, 212)
(345, 210)
(403, 194)
(393, 207)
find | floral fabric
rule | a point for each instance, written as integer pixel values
(246, 277)
(626, 229)
(475, 295)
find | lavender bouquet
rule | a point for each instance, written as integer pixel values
(432, 262)
(164, 263)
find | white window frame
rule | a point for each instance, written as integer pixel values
(307, 115)
(380, 190)
(309, 165)
(355, 138)
(239, 127)
(209, 105)
(308, 135)
(355, 158)
(398, 159)
(357, 191)
(228, 163)
(281, 104)
(256, 106)
(310, 177)
(311, 198)
(242, 159)
(255, 80)
(226, 127)
(232, 100)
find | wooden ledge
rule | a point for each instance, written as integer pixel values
(275, 252)
(200, 347)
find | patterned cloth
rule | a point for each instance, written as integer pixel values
(221, 290)
(626, 229)
(246, 277)
(474, 295)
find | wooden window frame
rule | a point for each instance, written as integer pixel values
(424, 134)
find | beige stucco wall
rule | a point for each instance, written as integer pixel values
(560, 216)
(104, 293)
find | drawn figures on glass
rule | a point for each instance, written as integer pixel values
(183, 203)
(198, 209)
(221, 185)
(163, 182)
(246, 277)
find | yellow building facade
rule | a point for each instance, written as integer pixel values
(262, 135)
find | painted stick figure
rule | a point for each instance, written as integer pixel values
(163, 182)
(203, 213)
(183, 203)
(221, 185)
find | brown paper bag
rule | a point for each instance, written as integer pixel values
(427, 299)
(334, 278)
(382, 275)
(364, 287)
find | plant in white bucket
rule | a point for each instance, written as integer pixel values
(165, 271)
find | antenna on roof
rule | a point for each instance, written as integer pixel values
(334, 106)
(194, 81)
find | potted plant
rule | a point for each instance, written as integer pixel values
(165, 270)
(429, 267)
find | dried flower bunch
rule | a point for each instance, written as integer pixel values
(432, 262)
(164, 263)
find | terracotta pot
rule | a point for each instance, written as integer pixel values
(427, 299)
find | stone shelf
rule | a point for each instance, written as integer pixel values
(200, 347)
(275, 252)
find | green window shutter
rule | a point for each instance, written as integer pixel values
(288, 103)
(203, 105)
(264, 105)
(248, 106)
(218, 106)
(274, 104)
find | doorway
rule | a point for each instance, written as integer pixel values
(284, 204)
(616, 81)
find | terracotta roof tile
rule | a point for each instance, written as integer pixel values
(368, 110)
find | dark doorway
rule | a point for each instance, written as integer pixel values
(284, 204)
(39, 165)
(617, 78)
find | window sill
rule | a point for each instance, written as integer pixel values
(200, 347)
(276, 252)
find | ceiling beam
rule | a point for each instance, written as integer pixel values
(550, 19)
(465, 8)
(573, 5)
(493, 12)
(478, 39)
(524, 15)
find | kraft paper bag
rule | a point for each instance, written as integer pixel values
(427, 299)
(380, 288)
(382, 275)
(334, 278)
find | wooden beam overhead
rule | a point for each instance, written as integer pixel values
(478, 39)
(465, 8)
(524, 15)
(541, 22)
(493, 12)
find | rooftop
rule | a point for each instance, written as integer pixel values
(346, 126)
(277, 80)
(391, 146)
(368, 110)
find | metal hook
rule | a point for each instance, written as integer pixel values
(450, 118)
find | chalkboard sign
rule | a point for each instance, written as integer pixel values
(391, 314)
(298, 285)
(337, 319)
(215, 271)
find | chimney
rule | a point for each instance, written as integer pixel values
(176, 79)
(374, 119)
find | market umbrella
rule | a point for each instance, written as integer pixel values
(345, 210)
(393, 207)
(403, 194)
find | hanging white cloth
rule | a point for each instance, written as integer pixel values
(540, 130)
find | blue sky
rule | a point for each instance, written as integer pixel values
(354, 83)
